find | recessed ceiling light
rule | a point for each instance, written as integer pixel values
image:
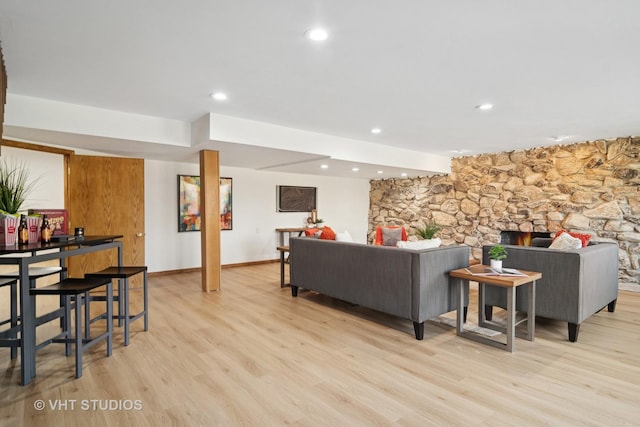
(380, 171)
(355, 169)
(219, 96)
(484, 107)
(376, 130)
(317, 34)
(324, 166)
(403, 174)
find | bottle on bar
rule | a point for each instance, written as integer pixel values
(23, 231)
(45, 230)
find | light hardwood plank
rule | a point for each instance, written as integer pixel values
(250, 354)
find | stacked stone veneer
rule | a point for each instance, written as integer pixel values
(590, 187)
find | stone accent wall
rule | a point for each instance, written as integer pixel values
(590, 187)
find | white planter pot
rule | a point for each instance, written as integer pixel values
(496, 265)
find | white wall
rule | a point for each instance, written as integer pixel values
(342, 203)
(47, 170)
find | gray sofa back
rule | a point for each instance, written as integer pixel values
(575, 283)
(413, 284)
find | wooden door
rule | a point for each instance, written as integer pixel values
(106, 196)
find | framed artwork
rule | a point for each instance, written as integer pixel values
(226, 206)
(296, 199)
(188, 203)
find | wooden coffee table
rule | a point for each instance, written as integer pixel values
(462, 275)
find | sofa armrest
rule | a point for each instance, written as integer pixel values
(432, 294)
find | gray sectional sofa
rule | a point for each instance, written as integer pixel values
(575, 284)
(413, 284)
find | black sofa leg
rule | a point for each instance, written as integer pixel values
(612, 306)
(488, 312)
(464, 314)
(574, 329)
(419, 330)
(294, 291)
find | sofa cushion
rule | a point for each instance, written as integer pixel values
(420, 244)
(566, 241)
(584, 238)
(344, 237)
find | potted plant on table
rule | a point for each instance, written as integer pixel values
(15, 187)
(497, 253)
(429, 231)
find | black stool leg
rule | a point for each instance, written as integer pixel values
(79, 304)
(146, 302)
(66, 323)
(109, 318)
(120, 302)
(14, 314)
(87, 315)
(125, 301)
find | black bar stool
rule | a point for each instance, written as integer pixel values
(123, 274)
(79, 288)
(9, 337)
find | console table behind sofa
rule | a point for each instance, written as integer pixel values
(413, 284)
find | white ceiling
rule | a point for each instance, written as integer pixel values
(414, 68)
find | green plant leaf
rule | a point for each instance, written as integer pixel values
(15, 186)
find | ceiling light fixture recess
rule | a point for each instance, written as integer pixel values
(376, 130)
(355, 169)
(484, 107)
(380, 172)
(219, 96)
(324, 166)
(317, 34)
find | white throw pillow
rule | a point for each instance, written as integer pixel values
(565, 241)
(420, 244)
(344, 237)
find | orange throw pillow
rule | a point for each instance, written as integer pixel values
(584, 238)
(310, 232)
(328, 233)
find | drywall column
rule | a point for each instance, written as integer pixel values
(210, 220)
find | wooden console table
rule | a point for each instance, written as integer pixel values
(283, 247)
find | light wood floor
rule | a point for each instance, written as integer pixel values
(252, 355)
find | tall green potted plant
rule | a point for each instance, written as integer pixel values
(15, 187)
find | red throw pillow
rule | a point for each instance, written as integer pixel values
(584, 238)
(310, 232)
(328, 233)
